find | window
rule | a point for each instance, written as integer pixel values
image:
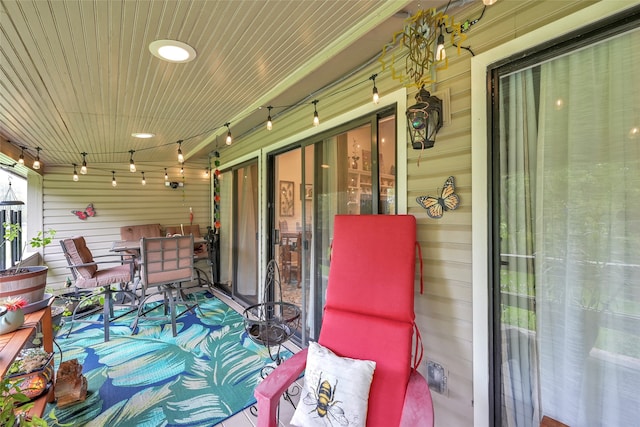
(566, 232)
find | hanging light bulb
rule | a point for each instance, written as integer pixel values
(83, 168)
(489, 2)
(316, 118)
(132, 165)
(229, 140)
(113, 179)
(36, 162)
(441, 53)
(75, 172)
(144, 181)
(269, 122)
(206, 172)
(166, 176)
(21, 158)
(180, 156)
(376, 97)
(182, 168)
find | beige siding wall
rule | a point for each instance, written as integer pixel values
(129, 203)
(444, 311)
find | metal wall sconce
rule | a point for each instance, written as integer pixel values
(424, 119)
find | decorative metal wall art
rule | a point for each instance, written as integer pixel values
(447, 201)
(88, 212)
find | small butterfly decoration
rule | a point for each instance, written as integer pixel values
(89, 211)
(447, 201)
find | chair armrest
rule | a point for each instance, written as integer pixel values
(418, 407)
(268, 392)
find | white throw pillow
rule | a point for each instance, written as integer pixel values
(335, 391)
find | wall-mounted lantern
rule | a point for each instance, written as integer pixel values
(424, 119)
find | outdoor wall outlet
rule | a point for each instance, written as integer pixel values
(436, 377)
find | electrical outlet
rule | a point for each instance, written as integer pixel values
(436, 377)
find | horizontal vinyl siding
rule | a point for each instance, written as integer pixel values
(129, 203)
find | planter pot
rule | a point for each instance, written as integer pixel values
(29, 283)
(33, 384)
(11, 320)
(77, 303)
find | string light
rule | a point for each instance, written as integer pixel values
(144, 181)
(132, 165)
(441, 53)
(166, 176)
(376, 97)
(113, 179)
(182, 168)
(206, 172)
(36, 162)
(21, 158)
(229, 140)
(75, 172)
(269, 122)
(316, 118)
(83, 168)
(180, 156)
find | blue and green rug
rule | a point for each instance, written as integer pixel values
(204, 375)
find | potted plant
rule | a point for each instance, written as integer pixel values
(11, 315)
(26, 282)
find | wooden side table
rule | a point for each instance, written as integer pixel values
(12, 343)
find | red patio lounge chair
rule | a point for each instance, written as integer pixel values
(368, 315)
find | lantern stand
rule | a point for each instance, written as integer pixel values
(271, 323)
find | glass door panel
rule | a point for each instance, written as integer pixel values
(246, 233)
(225, 182)
(238, 232)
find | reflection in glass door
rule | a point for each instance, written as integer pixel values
(349, 171)
(239, 232)
(292, 216)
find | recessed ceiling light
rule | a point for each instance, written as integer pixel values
(172, 50)
(143, 135)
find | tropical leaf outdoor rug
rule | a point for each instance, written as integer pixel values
(202, 376)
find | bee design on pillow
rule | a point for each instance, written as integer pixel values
(447, 201)
(325, 405)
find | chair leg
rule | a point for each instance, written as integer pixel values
(107, 312)
(172, 309)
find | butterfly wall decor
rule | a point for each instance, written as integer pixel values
(447, 201)
(89, 211)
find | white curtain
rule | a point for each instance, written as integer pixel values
(587, 235)
(247, 220)
(518, 138)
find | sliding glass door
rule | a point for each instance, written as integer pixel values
(566, 190)
(349, 170)
(239, 232)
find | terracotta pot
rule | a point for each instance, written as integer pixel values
(11, 320)
(28, 284)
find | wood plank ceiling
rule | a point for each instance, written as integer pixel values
(77, 75)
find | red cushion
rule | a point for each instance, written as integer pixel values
(369, 304)
(388, 343)
(373, 261)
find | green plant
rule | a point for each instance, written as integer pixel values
(40, 240)
(14, 406)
